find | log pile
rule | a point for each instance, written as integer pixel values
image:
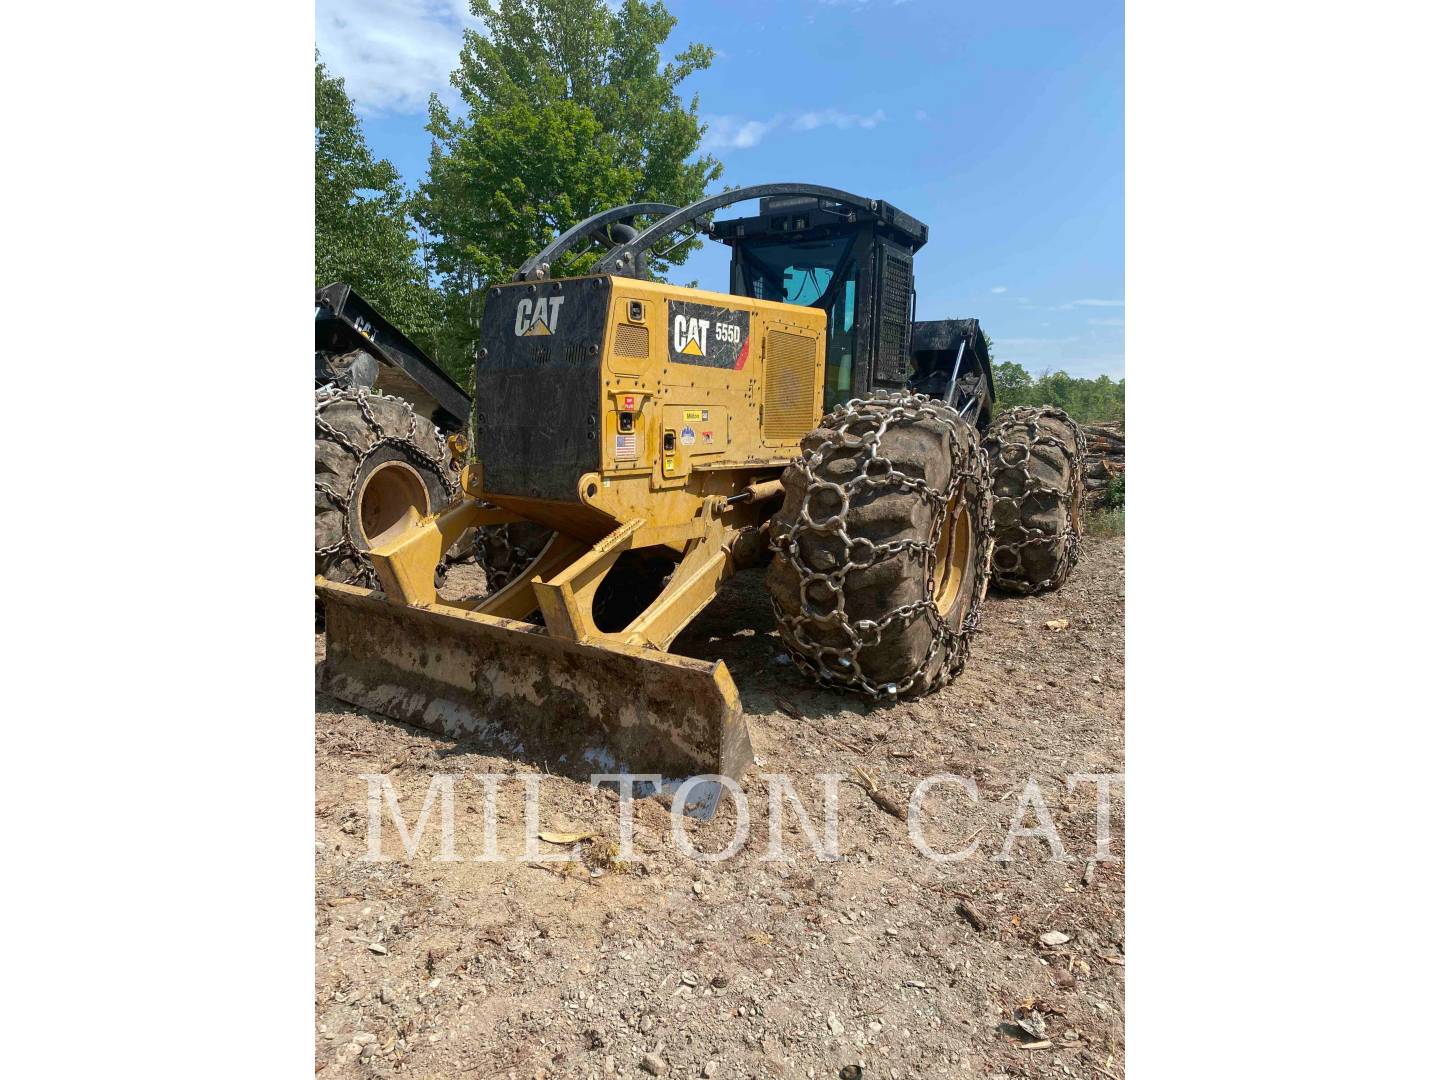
(1104, 458)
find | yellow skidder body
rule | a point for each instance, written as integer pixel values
(640, 421)
(692, 394)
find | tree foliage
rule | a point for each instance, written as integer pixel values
(567, 110)
(362, 235)
(1114, 497)
(1088, 401)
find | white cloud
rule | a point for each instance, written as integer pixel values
(999, 289)
(858, 3)
(1080, 367)
(1106, 322)
(392, 56)
(809, 121)
(1090, 303)
(738, 133)
(734, 133)
(1032, 342)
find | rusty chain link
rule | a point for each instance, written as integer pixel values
(1014, 454)
(499, 556)
(841, 665)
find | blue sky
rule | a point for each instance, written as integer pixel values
(1000, 125)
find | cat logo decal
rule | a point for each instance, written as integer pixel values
(538, 317)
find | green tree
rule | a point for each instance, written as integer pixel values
(1012, 382)
(362, 233)
(567, 109)
(1088, 401)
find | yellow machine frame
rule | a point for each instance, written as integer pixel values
(698, 489)
(696, 499)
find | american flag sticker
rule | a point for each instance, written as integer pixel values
(625, 446)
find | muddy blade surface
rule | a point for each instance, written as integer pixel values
(582, 708)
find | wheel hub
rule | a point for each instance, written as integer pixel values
(952, 556)
(391, 498)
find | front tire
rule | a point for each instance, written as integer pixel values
(378, 467)
(1036, 469)
(882, 547)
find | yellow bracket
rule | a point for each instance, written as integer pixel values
(406, 566)
(563, 580)
(705, 564)
(566, 599)
(517, 600)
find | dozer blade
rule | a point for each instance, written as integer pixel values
(586, 708)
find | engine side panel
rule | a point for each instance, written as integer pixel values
(702, 368)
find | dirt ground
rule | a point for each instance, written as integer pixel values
(800, 967)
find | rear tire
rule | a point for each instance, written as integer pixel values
(377, 463)
(882, 547)
(1036, 469)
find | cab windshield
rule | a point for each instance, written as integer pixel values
(806, 273)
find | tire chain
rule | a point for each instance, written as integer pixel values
(819, 661)
(1030, 417)
(328, 395)
(496, 538)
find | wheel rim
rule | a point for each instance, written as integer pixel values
(952, 556)
(391, 498)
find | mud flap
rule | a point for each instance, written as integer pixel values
(581, 709)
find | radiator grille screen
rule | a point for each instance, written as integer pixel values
(789, 386)
(632, 341)
(891, 362)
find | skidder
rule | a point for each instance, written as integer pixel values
(669, 436)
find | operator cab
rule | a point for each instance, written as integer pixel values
(854, 264)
